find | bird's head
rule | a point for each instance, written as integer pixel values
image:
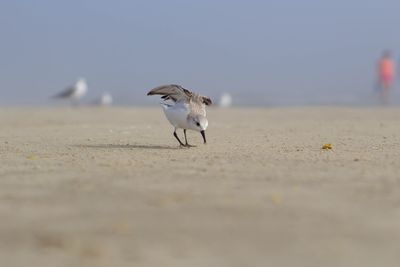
(199, 123)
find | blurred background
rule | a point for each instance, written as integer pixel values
(261, 52)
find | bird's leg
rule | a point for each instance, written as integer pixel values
(177, 138)
(184, 133)
(186, 142)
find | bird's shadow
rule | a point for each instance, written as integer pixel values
(127, 146)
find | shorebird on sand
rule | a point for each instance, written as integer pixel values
(187, 110)
(74, 92)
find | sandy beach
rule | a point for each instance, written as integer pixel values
(111, 187)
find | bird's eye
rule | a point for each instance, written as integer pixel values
(198, 124)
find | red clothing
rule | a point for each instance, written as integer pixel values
(386, 71)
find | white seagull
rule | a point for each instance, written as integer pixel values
(74, 92)
(225, 100)
(104, 100)
(187, 112)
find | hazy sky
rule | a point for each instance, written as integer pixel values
(268, 51)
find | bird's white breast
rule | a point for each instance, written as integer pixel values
(177, 114)
(80, 89)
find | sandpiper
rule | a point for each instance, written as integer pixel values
(187, 110)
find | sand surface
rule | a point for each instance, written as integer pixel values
(110, 187)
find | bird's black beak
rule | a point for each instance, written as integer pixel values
(203, 133)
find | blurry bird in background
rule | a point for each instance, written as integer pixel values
(75, 92)
(225, 100)
(104, 100)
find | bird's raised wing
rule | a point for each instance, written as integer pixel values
(171, 91)
(206, 100)
(175, 93)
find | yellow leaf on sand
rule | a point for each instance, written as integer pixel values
(327, 146)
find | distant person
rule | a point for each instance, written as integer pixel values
(386, 73)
